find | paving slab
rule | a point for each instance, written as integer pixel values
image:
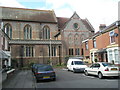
(22, 79)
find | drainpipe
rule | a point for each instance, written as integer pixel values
(93, 58)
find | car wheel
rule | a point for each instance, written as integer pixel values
(100, 76)
(54, 79)
(86, 73)
(37, 80)
(68, 70)
(74, 71)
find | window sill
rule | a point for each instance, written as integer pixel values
(112, 43)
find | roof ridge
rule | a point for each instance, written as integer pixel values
(25, 9)
(54, 15)
(90, 24)
(63, 17)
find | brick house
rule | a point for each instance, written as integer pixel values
(103, 45)
(38, 36)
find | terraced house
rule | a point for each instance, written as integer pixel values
(39, 36)
(104, 45)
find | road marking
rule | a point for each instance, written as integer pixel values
(64, 69)
(110, 80)
(88, 76)
(91, 76)
(100, 79)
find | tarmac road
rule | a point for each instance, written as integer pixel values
(65, 79)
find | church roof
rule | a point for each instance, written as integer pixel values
(63, 20)
(31, 15)
(88, 25)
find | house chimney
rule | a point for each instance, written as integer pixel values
(102, 26)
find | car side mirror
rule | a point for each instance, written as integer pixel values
(91, 67)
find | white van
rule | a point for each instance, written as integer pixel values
(76, 65)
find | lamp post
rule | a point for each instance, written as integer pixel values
(50, 53)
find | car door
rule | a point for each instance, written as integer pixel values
(90, 70)
(95, 69)
(71, 65)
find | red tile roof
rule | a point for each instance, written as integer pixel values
(87, 24)
(62, 21)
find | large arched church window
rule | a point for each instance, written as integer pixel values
(27, 32)
(46, 32)
(8, 30)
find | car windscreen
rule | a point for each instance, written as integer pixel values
(107, 64)
(78, 63)
(45, 68)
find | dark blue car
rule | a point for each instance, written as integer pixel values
(34, 67)
(45, 72)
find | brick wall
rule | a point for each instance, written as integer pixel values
(102, 41)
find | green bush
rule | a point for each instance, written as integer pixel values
(96, 60)
(30, 64)
(25, 68)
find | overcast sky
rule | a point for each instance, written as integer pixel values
(96, 11)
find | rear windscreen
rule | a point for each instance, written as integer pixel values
(45, 68)
(107, 64)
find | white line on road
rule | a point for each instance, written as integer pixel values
(65, 69)
(88, 76)
(100, 79)
(111, 80)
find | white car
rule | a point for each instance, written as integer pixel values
(102, 69)
(76, 65)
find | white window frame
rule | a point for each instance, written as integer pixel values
(113, 54)
(116, 61)
(94, 43)
(86, 45)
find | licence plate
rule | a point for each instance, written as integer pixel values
(46, 77)
(113, 68)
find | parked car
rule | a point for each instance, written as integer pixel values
(102, 69)
(45, 72)
(34, 66)
(76, 65)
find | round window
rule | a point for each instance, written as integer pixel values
(75, 25)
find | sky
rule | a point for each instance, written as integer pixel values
(96, 11)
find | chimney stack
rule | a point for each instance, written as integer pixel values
(102, 26)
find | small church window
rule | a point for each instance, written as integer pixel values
(75, 25)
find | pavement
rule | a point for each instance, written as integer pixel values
(20, 79)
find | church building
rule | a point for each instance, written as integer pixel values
(39, 36)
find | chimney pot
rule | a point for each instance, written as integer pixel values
(102, 26)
